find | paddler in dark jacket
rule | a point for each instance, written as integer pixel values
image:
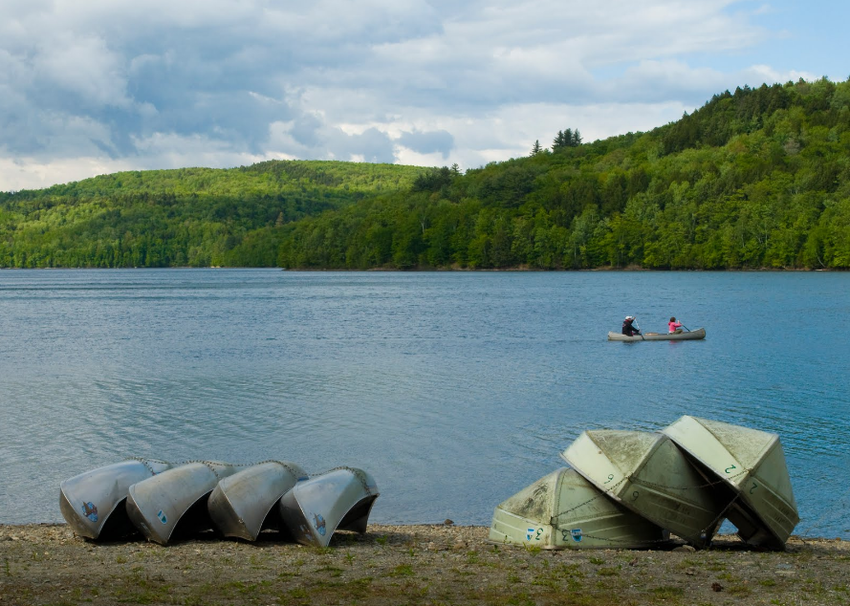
(628, 329)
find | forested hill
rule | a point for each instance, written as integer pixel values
(755, 178)
(194, 216)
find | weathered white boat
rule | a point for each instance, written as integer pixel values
(341, 498)
(243, 504)
(564, 510)
(174, 502)
(93, 503)
(752, 463)
(699, 333)
(647, 473)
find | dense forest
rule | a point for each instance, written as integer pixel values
(195, 217)
(756, 178)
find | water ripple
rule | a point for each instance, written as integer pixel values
(453, 390)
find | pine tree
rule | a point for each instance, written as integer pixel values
(576, 140)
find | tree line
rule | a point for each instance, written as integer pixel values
(755, 178)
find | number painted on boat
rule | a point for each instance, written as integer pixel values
(635, 495)
(730, 468)
(754, 486)
(610, 477)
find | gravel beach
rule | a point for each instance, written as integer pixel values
(436, 564)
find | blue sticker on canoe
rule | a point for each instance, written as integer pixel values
(162, 517)
(319, 523)
(90, 511)
(576, 532)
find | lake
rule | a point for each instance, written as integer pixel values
(453, 389)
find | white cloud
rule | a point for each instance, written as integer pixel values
(154, 83)
(85, 67)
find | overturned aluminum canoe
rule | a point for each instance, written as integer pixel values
(93, 502)
(563, 510)
(245, 503)
(647, 473)
(699, 333)
(752, 463)
(341, 498)
(176, 497)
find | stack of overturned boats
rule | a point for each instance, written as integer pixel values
(633, 489)
(166, 502)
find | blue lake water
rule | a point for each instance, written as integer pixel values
(454, 390)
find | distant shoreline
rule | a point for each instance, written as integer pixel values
(456, 269)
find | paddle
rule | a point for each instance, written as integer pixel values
(640, 333)
(686, 328)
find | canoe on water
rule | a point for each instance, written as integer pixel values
(699, 333)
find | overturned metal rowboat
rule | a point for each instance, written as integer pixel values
(648, 474)
(174, 503)
(339, 499)
(93, 503)
(563, 510)
(243, 504)
(752, 464)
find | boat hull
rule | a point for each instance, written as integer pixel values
(649, 475)
(241, 504)
(667, 336)
(315, 508)
(93, 503)
(564, 511)
(175, 498)
(752, 463)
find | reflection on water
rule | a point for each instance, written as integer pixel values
(453, 390)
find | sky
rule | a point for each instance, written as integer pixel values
(90, 87)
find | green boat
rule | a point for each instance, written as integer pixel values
(648, 474)
(564, 511)
(752, 464)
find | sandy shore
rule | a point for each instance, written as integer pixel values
(48, 564)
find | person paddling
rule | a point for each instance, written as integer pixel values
(628, 327)
(673, 325)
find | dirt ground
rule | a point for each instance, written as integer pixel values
(441, 564)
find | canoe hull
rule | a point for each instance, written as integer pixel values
(341, 498)
(667, 336)
(564, 511)
(649, 475)
(750, 462)
(93, 503)
(239, 505)
(176, 497)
